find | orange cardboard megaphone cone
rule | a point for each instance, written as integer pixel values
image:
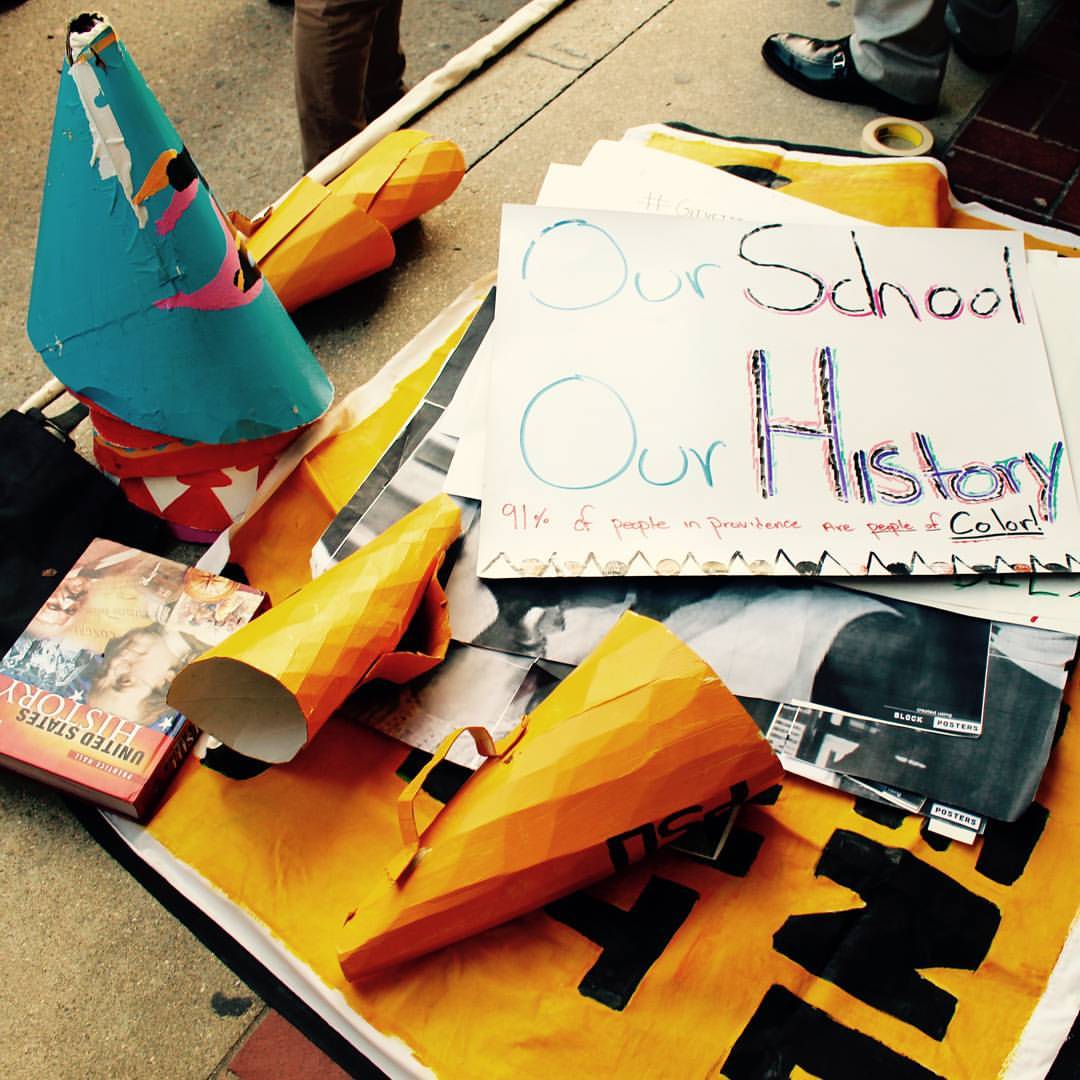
(333, 246)
(268, 688)
(428, 172)
(636, 745)
(320, 238)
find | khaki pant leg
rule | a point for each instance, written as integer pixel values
(332, 44)
(386, 65)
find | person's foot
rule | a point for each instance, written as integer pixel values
(825, 69)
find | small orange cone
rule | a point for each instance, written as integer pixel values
(637, 744)
(319, 239)
(269, 687)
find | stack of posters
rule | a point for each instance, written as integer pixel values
(702, 409)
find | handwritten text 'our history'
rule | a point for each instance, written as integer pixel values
(887, 473)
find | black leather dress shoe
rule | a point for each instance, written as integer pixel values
(826, 70)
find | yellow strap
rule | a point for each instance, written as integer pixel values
(406, 805)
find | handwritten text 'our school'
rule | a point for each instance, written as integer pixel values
(871, 475)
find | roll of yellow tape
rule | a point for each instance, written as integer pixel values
(893, 136)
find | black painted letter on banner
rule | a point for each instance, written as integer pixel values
(1008, 845)
(915, 917)
(632, 940)
(785, 1033)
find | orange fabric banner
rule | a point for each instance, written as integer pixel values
(824, 933)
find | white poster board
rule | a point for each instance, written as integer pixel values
(673, 396)
(624, 176)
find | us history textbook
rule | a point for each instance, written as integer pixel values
(83, 688)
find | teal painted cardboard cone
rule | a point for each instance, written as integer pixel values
(142, 300)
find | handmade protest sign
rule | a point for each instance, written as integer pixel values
(687, 397)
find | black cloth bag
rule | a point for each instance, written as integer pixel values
(52, 504)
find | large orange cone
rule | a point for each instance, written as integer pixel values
(635, 746)
(268, 689)
(143, 300)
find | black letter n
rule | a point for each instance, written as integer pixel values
(632, 941)
(915, 917)
(785, 1033)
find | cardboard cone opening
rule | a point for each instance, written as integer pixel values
(254, 713)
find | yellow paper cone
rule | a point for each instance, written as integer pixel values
(319, 239)
(267, 689)
(638, 744)
(426, 176)
(337, 245)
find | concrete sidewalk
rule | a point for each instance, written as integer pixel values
(100, 980)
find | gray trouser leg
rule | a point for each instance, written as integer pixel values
(901, 46)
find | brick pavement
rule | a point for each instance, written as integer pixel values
(275, 1050)
(1019, 152)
